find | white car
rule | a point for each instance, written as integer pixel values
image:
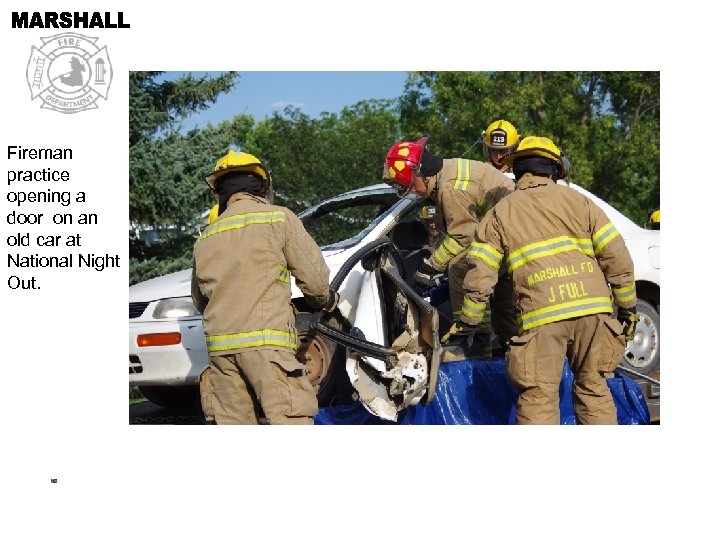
(167, 346)
(377, 241)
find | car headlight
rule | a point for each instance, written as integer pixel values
(172, 308)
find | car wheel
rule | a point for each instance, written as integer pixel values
(172, 397)
(323, 359)
(643, 352)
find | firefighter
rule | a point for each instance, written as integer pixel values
(433, 221)
(568, 264)
(499, 139)
(241, 284)
(653, 220)
(463, 190)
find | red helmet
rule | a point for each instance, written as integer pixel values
(402, 163)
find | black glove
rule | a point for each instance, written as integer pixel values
(426, 276)
(628, 317)
(332, 301)
(458, 332)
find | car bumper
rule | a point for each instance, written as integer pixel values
(173, 364)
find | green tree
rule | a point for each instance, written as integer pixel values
(167, 194)
(312, 158)
(606, 122)
(633, 152)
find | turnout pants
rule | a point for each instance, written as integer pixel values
(594, 345)
(257, 386)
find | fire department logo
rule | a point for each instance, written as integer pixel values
(69, 73)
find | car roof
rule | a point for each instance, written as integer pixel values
(383, 191)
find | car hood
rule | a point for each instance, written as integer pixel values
(172, 285)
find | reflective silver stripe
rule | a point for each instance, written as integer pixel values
(487, 253)
(463, 174)
(284, 274)
(546, 248)
(240, 221)
(601, 238)
(447, 250)
(257, 338)
(565, 310)
(624, 294)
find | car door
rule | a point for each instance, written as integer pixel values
(393, 346)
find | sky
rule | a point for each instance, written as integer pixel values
(260, 93)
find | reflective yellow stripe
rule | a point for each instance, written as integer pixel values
(474, 310)
(284, 275)
(238, 221)
(486, 318)
(463, 174)
(601, 238)
(546, 248)
(565, 310)
(482, 208)
(487, 253)
(447, 250)
(624, 294)
(258, 338)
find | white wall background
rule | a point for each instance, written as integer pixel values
(64, 346)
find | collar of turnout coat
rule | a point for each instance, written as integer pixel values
(529, 181)
(241, 195)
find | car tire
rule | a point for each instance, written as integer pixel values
(172, 397)
(643, 352)
(324, 360)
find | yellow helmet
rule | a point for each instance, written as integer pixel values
(501, 135)
(653, 221)
(238, 162)
(541, 147)
(427, 212)
(213, 215)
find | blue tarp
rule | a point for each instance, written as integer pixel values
(478, 392)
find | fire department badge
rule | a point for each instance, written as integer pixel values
(498, 137)
(69, 73)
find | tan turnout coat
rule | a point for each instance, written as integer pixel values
(565, 257)
(464, 190)
(241, 276)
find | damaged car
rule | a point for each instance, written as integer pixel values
(374, 242)
(382, 345)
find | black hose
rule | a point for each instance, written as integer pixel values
(318, 324)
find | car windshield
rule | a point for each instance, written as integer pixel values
(343, 221)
